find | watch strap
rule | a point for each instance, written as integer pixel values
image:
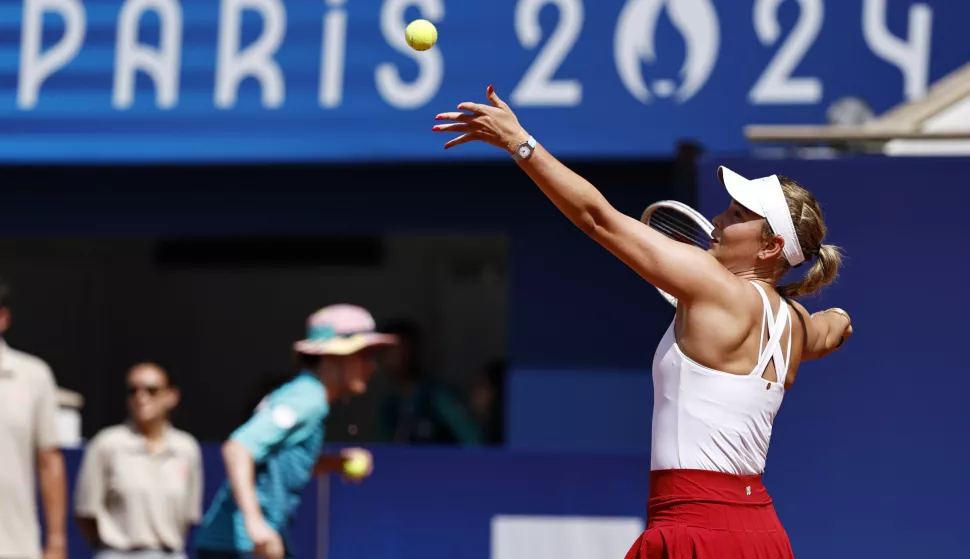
(531, 142)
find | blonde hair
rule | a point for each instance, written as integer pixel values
(810, 228)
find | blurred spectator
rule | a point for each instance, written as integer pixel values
(419, 410)
(140, 486)
(488, 402)
(271, 458)
(30, 439)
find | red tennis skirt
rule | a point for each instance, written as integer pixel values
(695, 514)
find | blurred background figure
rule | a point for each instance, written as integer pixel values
(418, 408)
(29, 439)
(487, 402)
(139, 490)
(271, 458)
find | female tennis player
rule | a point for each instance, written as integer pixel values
(731, 352)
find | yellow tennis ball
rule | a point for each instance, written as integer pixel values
(357, 466)
(421, 34)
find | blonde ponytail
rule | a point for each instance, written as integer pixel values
(810, 229)
(823, 272)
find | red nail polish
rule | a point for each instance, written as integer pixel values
(436, 128)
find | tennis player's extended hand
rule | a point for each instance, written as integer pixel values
(846, 334)
(493, 123)
(846, 325)
(267, 542)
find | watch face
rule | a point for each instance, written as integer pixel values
(524, 151)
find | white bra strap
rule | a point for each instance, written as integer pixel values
(791, 328)
(763, 355)
(772, 350)
(781, 363)
(765, 318)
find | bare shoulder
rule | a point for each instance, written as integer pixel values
(735, 296)
(718, 323)
(724, 289)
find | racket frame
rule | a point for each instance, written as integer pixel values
(687, 211)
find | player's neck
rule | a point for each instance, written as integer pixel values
(764, 273)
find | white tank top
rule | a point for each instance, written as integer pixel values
(704, 419)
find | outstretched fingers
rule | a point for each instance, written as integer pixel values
(458, 117)
(457, 127)
(463, 139)
(495, 100)
(471, 121)
(476, 108)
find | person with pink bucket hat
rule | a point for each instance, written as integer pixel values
(270, 459)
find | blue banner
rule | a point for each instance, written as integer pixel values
(245, 80)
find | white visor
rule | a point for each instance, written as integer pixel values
(765, 197)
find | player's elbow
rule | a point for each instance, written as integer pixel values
(833, 342)
(586, 221)
(596, 220)
(593, 230)
(821, 349)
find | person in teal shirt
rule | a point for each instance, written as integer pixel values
(270, 459)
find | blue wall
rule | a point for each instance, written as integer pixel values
(439, 503)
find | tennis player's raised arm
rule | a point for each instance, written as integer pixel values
(680, 269)
(684, 271)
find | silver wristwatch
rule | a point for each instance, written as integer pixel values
(524, 150)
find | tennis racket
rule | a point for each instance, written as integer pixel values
(679, 222)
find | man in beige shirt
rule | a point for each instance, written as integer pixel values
(28, 440)
(140, 486)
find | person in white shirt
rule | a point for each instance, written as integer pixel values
(139, 490)
(28, 421)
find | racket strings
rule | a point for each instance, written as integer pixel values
(679, 227)
(684, 236)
